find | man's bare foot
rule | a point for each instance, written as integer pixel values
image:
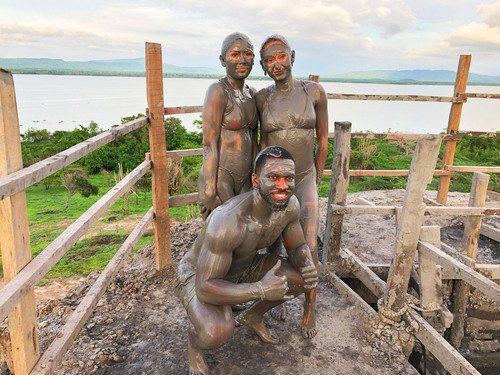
(279, 312)
(309, 329)
(309, 333)
(197, 364)
(259, 328)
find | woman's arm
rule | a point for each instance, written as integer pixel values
(321, 108)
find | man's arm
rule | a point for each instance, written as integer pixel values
(213, 110)
(321, 109)
(214, 261)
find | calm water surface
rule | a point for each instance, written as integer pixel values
(64, 102)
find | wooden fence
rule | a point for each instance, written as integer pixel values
(21, 273)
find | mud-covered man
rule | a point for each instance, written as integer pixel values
(224, 268)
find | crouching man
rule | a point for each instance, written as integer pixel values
(224, 268)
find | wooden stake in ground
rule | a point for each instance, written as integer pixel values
(14, 233)
(421, 170)
(453, 125)
(472, 228)
(154, 86)
(339, 183)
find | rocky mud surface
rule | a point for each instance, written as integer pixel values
(139, 326)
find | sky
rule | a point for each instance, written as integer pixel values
(328, 36)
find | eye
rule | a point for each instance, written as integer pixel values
(272, 178)
(233, 54)
(270, 60)
(282, 57)
(248, 54)
(290, 179)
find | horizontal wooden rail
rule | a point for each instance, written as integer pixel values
(479, 95)
(430, 210)
(449, 357)
(183, 109)
(182, 200)
(398, 136)
(19, 286)
(22, 179)
(398, 98)
(384, 172)
(54, 354)
(474, 133)
(475, 279)
(490, 232)
(183, 153)
(463, 168)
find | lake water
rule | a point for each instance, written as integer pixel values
(64, 102)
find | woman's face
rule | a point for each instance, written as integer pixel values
(277, 61)
(238, 60)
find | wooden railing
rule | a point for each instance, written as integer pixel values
(22, 273)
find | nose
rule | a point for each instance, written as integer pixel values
(242, 58)
(277, 64)
(281, 183)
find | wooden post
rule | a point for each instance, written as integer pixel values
(431, 294)
(453, 125)
(14, 233)
(421, 170)
(158, 148)
(314, 78)
(339, 183)
(472, 228)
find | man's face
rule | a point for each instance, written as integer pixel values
(276, 182)
(238, 60)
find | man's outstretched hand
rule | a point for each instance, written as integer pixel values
(310, 275)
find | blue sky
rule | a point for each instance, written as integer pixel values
(329, 36)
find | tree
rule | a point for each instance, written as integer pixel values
(76, 182)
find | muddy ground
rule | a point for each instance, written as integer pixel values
(139, 327)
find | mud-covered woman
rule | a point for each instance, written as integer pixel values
(229, 123)
(291, 112)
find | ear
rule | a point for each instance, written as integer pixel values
(293, 56)
(263, 67)
(222, 60)
(255, 180)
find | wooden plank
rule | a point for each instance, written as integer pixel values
(314, 78)
(429, 210)
(15, 235)
(448, 356)
(422, 166)
(477, 133)
(157, 143)
(363, 273)
(183, 109)
(183, 200)
(493, 195)
(396, 136)
(386, 172)
(183, 153)
(400, 98)
(480, 95)
(339, 183)
(478, 281)
(490, 232)
(470, 240)
(55, 352)
(431, 201)
(463, 168)
(453, 125)
(22, 179)
(34, 271)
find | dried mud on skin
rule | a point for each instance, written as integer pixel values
(139, 326)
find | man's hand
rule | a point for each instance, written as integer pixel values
(309, 274)
(275, 287)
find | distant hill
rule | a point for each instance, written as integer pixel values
(413, 77)
(136, 67)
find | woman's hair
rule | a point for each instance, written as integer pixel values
(230, 39)
(274, 39)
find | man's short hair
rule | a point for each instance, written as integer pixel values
(271, 152)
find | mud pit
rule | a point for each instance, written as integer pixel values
(139, 327)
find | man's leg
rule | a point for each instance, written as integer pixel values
(212, 327)
(252, 317)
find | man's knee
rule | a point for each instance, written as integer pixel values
(214, 333)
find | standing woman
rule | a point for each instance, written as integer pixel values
(290, 111)
(229, 123)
